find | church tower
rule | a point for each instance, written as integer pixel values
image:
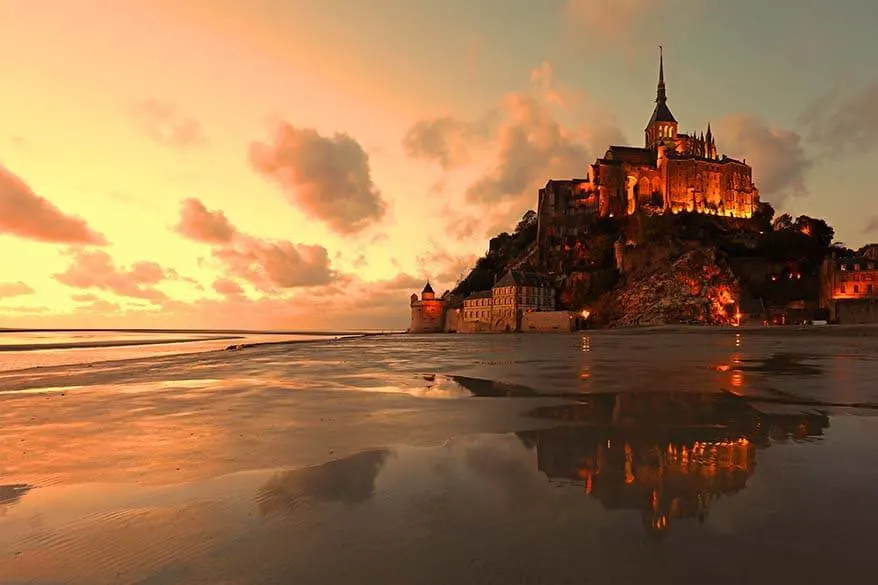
(662, 126)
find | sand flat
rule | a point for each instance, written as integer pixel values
(605, 457)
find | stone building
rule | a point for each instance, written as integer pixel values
(672, 172)
(502, 308)
(428, 312)
(849, 287)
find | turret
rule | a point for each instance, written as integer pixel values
(427, 294)
(710, 146)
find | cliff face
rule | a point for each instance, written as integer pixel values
(694, 287)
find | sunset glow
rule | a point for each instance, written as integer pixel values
(292, 164)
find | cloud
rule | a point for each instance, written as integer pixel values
(401, 281)
(532, 148)
(95, 269)
(269, 264)
(623, 22)
(542, 79)
(164, 124)
(199, 224)
(14, 289)
(266, 264)
(528, 145)
(777, 156)
(25, 214)
(327, 178)
(443, 268)
(871, 225)
(844, 122)
(226, 286)
(448, 140)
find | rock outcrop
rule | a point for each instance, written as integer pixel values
(695, 287)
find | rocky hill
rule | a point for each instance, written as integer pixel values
(671, 268)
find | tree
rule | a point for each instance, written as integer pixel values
(764, 214)
(528, 220)
(816, 228)
(783, 222)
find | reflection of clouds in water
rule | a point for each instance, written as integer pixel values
(349, 480)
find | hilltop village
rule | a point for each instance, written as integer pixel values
(671, 232)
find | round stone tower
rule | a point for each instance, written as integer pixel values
(428, 312)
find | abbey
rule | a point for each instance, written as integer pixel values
(672, 172)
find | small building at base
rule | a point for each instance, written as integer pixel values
(502, 308)
(428, 312)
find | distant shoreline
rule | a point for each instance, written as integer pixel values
(108, 344)
(213, 331)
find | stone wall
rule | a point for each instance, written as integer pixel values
(427, 316)
(473, 326)
(547, 321)
(452, 320)
(853, 311)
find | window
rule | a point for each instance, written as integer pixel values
(841, 288)
(856, 266)
(871, 266)
(856, 289)
(843, 267)
(869, 289)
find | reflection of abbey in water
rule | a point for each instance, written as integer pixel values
(668, 455)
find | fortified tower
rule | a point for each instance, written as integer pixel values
(428, 312)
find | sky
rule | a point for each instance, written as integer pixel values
(295, 164)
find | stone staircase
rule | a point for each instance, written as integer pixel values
(528, 255)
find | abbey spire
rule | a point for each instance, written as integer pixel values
(661, 95)
(662, 126)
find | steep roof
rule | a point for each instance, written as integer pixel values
(482, 294)
(661, 113)
(630, 154)
(523, 278)
(428, 288)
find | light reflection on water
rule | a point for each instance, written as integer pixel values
(660, 459)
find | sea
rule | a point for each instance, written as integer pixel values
(22, 349)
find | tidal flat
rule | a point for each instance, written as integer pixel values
(668, 455)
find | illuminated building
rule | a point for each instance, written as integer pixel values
(849, 286)
(428, 312)
(672, 172)
(502, 308)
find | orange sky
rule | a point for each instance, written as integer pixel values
(289, 164)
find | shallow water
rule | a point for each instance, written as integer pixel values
(43, 349)
(652, 457)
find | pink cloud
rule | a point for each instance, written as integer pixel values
(96, 270)
(266, 264)
(226, 286)
(165, 125)
(203, 225)
(327, 178)
(27, 215)
(780, 163)
(14, 289)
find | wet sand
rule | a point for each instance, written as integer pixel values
(662, 456)
(30, 348)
